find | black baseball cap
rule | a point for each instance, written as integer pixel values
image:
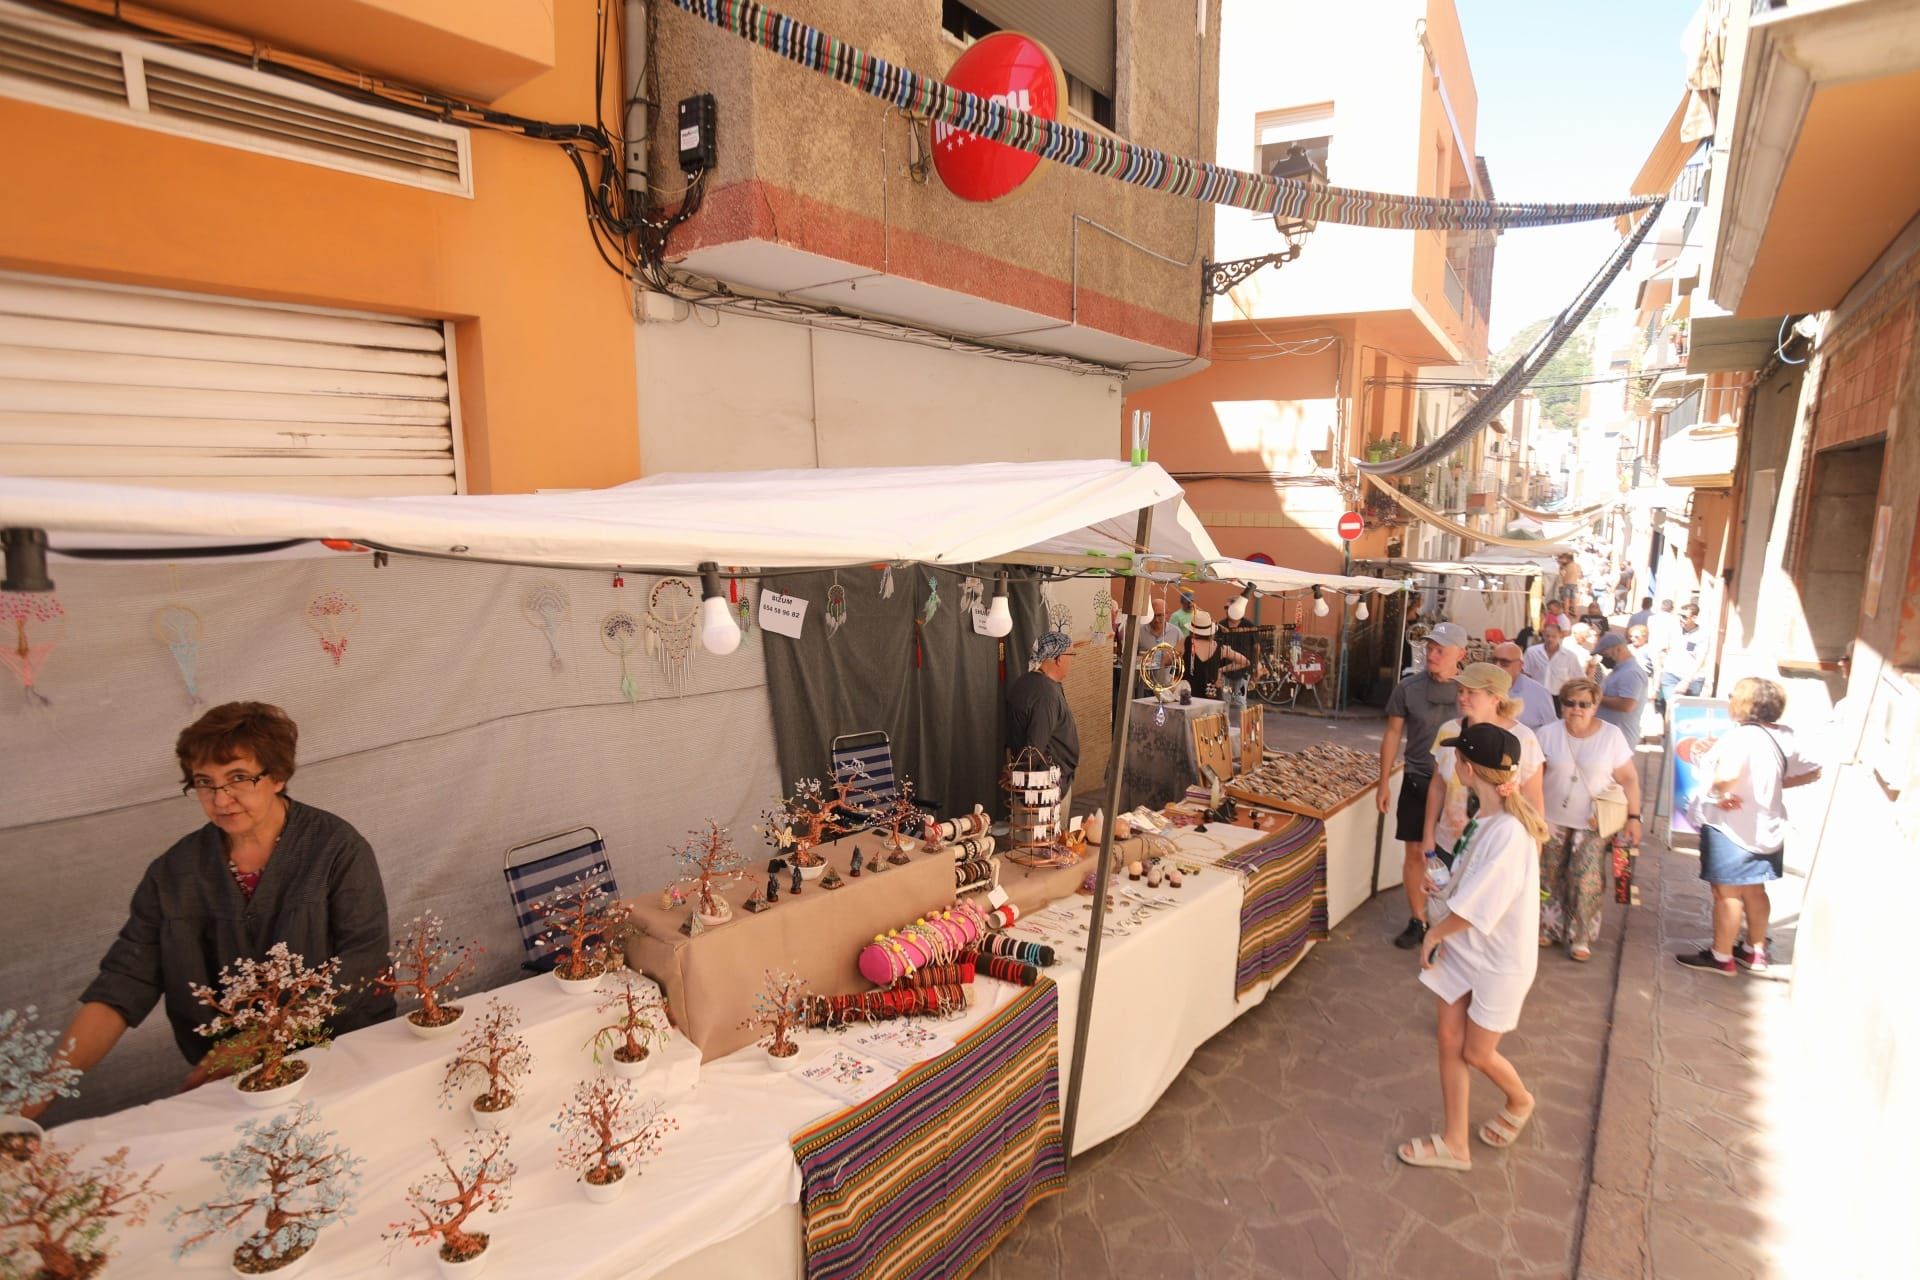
(1487, 745)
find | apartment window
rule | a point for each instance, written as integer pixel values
(1080, 33)
(1275, 133)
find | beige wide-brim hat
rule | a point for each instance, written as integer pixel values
(1201, 624)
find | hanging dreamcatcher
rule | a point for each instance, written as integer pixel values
(178, 628)
(973, 596)
(1058, 616)
(332, 615)
(546, 606)
(31, 623)
(933, 600)
(620, 633)
(1102, 609)
(1160, 670)
(836, 606)
(673, 618)
(886, 581)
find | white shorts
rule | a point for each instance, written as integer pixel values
(1497, 997)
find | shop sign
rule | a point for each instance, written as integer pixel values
(781, 614)
(1012, 70)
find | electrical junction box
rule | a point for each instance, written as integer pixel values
(697, 149)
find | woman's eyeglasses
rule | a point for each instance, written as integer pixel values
(207, 788)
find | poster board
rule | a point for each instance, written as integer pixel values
(1693, 726)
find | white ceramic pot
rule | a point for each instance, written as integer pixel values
(785, 1064)
(628, 1070)
(491, 1121)
(605, 1193)
(450, 1027)
(464, 1270)
(715, 921)
(814, 872)
(20, 1124)
(905, 844)
(266, 1099)
(294, 1268)
(578, 986)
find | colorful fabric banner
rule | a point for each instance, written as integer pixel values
(1286, 899)
(1124, 161)
(926, 1178)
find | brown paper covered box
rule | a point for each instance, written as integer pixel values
(711, 980)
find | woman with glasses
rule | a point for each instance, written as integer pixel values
(1585, 756)
(264, 868)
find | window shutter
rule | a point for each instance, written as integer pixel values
(1080, 32)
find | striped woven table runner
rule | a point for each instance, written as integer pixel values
(925, 1179)
(1286, 899)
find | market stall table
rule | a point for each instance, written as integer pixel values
(1161, 764)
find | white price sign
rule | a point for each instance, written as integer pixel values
(783, 615)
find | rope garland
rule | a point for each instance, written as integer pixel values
(1126, 162)
(1432, 517)
(1534, 513)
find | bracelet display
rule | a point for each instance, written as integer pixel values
(884, 1006)
(938, 937)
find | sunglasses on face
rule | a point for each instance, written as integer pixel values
(1577, 706)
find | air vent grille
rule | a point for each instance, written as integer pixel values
(38, 56)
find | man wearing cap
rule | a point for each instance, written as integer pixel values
(1037, 711)
(1419, 706)
(1624, 696)
(1536, 704)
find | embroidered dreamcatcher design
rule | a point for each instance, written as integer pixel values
(620, 633)
(547, 608)
(31, 624)
(886, 581)
(673, 618)
(179, 628)
(973, 596)
(933, 600)
(1102, 608)
(836, 607)
(332, 615)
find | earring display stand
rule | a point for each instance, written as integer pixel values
(1253, 738)
(1212, 745)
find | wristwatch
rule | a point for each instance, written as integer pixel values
(1633, 817)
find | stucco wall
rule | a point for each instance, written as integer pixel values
(800, 163)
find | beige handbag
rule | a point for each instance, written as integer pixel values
(1609, 810)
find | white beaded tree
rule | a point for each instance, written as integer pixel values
(266, 1009)
(428, 965)
(440, 1204)
(287, 1176)
(605, 1130)
(30, 1071)
(492, 1051)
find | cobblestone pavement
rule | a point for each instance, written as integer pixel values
(1272, 1154)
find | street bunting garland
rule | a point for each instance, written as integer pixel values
(1438, 521)
(1536, 513)
(1111, 157)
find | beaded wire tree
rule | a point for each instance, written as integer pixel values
(30, 1071)
(493, 1051)
(605, 1130)
(426, 964)
(580, 921)
(810, 816)
(711, 863)
(264, 1010)
(289, 1172)
(440, 1204)
(777, 1010)
(54, 1217)
(639, 1020)
(901, 817)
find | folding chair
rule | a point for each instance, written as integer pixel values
(870, 753)
(554, 862)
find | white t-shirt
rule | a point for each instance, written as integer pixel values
(1760, 823)
(1453, 810)
(1496, 889)
(1579, 769)
(1554, 670)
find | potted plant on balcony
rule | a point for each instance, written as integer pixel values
(441, 1204)
(639, 1022)
(580, 922)
(263, 1011)
(427, 965)
(288, 1176)
(777, 1010)
(711, 863)
(493, 1052)
(30, 1073)
(605, 1133)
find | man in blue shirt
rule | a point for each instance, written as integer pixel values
(1624, 695)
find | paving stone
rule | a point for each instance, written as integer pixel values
(1427, 1252)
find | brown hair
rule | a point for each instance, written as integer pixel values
(1580, 684)
(237, 728)
(1757, 698)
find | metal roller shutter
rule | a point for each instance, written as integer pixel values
(1080, 32)
(192, 391)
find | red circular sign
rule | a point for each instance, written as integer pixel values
(1008, 68)
(1351, 525)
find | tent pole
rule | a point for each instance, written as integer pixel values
(1116, 773)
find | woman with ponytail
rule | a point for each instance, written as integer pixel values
(1479, 962)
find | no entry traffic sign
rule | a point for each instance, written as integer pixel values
(1351, 525)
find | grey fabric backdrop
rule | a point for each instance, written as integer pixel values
(944, 717)
(443, 735)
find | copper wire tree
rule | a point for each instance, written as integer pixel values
(30, 1071)
(54, 1218)
(639, 1020)
(440, 1204)
(425, 963)
(605, 1130)
(777, 1010)
(264, 1010)
(711, 863)
(492, 1051)
(288, 1171)
(810, 815)
(580, 922)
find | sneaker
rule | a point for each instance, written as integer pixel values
(1411, 936)
(1703, 959)
(1752, 959)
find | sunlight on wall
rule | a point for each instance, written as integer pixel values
(1282, 434)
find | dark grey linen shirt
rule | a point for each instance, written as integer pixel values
(1425, 704)
(320, 893)
(1038, 716)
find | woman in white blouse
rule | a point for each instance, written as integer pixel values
(1585, 756)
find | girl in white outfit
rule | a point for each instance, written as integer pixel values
(1479, 962)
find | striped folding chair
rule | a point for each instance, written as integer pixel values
(871, 754)
(538, 867)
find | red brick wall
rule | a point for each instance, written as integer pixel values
(1861, 380)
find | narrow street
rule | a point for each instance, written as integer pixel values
(1273, 1155)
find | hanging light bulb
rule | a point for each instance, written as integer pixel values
(1147, 617)
(1000, 612)
(1319, 604)
(1237, 608)
(719, 633)
(1361, 613)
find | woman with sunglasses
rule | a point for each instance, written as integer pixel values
(263, 869)
(1585, 755)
